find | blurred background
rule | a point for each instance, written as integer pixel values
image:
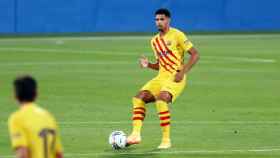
(68, 16)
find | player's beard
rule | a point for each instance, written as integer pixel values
(160, 29)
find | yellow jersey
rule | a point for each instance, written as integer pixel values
(169, 50)
(36, 129)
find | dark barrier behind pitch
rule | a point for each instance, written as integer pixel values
(48, 16)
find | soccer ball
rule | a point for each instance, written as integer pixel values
(117, 139)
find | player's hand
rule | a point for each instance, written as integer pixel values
(143, 61)
(179, 76)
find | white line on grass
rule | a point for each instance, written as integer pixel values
(217, 36)
(114, 63)
(102, 52)
(174, 122)
(81, 51)
(56, 63)
(65, 38)
(175, 152)
(245, 59)
(61, 63)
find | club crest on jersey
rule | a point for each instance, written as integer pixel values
(168, 43)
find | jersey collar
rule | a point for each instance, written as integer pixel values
(25, 105)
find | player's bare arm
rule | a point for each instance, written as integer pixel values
(194, 57)
(22, 152)
(144, 63)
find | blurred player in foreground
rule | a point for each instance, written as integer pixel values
(33, 130)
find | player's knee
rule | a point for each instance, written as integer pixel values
(145, 96)
(165, 96)
(141, 95)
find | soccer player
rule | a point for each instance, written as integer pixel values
(169, 47)
(33, 130)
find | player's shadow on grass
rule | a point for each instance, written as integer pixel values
(131, 153)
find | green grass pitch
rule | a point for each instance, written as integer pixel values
(230, 107)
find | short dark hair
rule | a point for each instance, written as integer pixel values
(163, 11)
(25, 88)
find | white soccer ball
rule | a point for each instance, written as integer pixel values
(117, 139)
